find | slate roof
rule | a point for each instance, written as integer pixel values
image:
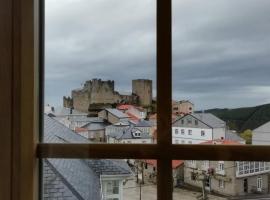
(233, 136)
(127, 133)
(85, 119)
(93, 126)
(116, 113)
(109, 167)
(210, 120)
(54, 187)
(74, 179)
(143, 123)
(55, 132)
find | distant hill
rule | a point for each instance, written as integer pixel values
(241, 119)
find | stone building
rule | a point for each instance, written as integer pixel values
(229, 178)
(98, 93)
(143, 89)
(182, 107)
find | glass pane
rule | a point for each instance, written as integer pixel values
(220, 71)
(203, 179)
(99, 179)
(100, 68)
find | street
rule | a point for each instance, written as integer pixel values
(131, 191)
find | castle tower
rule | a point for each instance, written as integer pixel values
(143, 89)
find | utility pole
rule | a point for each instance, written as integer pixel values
(140, 190)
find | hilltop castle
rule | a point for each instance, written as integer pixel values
(100, 93)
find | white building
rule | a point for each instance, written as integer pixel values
(261, 135)
(197, 128)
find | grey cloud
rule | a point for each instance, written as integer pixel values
(220, 48)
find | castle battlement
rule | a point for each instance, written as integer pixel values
(98, 91)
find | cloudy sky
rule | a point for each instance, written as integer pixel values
(221, 48)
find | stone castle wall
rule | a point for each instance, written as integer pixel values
(67, 102)
(97, 91)
(143, 89)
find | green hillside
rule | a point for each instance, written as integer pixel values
(241, 119)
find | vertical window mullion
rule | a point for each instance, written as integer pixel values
(164, 82)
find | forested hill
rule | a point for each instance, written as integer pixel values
(241, 119)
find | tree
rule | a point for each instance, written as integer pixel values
(247, 135)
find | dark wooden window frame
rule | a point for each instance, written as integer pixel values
(21, 58)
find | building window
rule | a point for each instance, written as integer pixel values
(246, 167)
(111, 190)
(251, 167)
(183, 141)
(206, 164)
(256, 166)
(182, 131)
(196, 122)
(176, 141)
(192, 163)
(190, 132)
(245, 185)
(259, 184)
(220, 169)
(189, 142)
(189, 121)
(221, 184)
(182, 121)
(202, 133)
(261, 166)
(176, 131)
(193, 176)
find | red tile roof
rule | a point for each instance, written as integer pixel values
(128, 106)
(175, 163)
(133, 117)
(124, 107)
(78, 129)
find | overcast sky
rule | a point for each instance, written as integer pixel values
(221, 48)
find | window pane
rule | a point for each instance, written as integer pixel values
(100, 63)
(219, 179)
(220, 70)
(98, 179)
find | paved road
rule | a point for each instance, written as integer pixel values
(148, 192)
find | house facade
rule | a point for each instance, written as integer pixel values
(147, 171)
(230, 178)
(136, 112)
(197, 128)
(261, 135)
(182, 107)
(113, 115)
(95, 130)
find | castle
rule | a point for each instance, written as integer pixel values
(97, 93)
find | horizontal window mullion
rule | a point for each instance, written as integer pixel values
(173, 152)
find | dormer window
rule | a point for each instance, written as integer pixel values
(137, 133)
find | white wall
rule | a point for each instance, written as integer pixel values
(194, 138)
(219, 133)
(130, 141)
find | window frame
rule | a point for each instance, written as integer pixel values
(23, 20)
